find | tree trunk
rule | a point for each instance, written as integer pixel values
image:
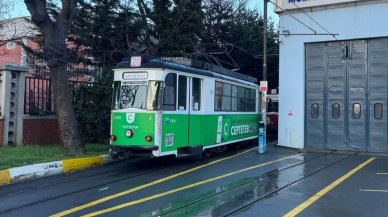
(54, 50)
(56, 56)
(67, 122)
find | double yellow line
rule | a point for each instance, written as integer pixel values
(102, 200)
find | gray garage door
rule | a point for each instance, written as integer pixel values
(346, 95)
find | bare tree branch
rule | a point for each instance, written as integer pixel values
(54, 49)
(39, 14)
(67, 14)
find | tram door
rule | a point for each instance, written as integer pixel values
(196, 129)
(182, 112)
(190, 129)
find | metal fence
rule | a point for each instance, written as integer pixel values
(39, 99)
(76, 72)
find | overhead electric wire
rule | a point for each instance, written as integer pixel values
(305, 25)
(315, 21)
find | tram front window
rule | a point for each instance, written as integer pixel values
(154, 99)
(135, 96)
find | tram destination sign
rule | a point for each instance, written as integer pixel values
(135, 75)
(294, 4)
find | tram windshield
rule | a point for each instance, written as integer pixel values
(140, 96)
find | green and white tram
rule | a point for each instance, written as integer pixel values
(165, 108)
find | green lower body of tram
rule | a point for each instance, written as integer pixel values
(159, 134)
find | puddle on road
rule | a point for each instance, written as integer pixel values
(228, 198)
(221, 200)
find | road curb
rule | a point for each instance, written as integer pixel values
(29, 172)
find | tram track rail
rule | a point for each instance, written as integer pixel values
(289, 184)
(149, 163)
(268, 194)
(75, 191)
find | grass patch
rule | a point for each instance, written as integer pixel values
(32, 154)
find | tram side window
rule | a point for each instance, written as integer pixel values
(218, 97)
(196, 94)
(182, 92)
(252, 100)
(234, 98)
(230, 97)
(169, 96)
(242, 103)
(227, 97)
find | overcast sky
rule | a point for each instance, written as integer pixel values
(20, 8)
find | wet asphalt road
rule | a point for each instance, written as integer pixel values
(235, 183)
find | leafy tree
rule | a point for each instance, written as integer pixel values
(104, 32)
(55, 30)
(174, 26)
(93, 106)
(233, 35)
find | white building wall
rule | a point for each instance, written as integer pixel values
(364, 21)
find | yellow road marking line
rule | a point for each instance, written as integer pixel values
(328, 188)
(374, 190)
(381, 173)
(104, 199)
(183, 188)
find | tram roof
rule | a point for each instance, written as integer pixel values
(196, 67)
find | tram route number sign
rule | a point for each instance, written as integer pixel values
(136, 61)
(263, 86)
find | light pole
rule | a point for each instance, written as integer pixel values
(263, 89)
(264, 93)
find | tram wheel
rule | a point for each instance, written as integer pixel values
(221, 149)
(208, 152)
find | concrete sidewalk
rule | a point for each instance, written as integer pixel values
(29, 172)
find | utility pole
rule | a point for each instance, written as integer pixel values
(264, 93)
(263, 89)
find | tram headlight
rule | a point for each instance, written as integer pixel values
(148, 138)
(113, 137)
(129, 133)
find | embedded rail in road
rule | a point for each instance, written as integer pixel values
(237, 183)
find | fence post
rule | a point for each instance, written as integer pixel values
(12, 88)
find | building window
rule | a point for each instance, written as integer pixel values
(378, 111)
(356, 110)
(336, 110)
(11, 45)
(315, 110)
